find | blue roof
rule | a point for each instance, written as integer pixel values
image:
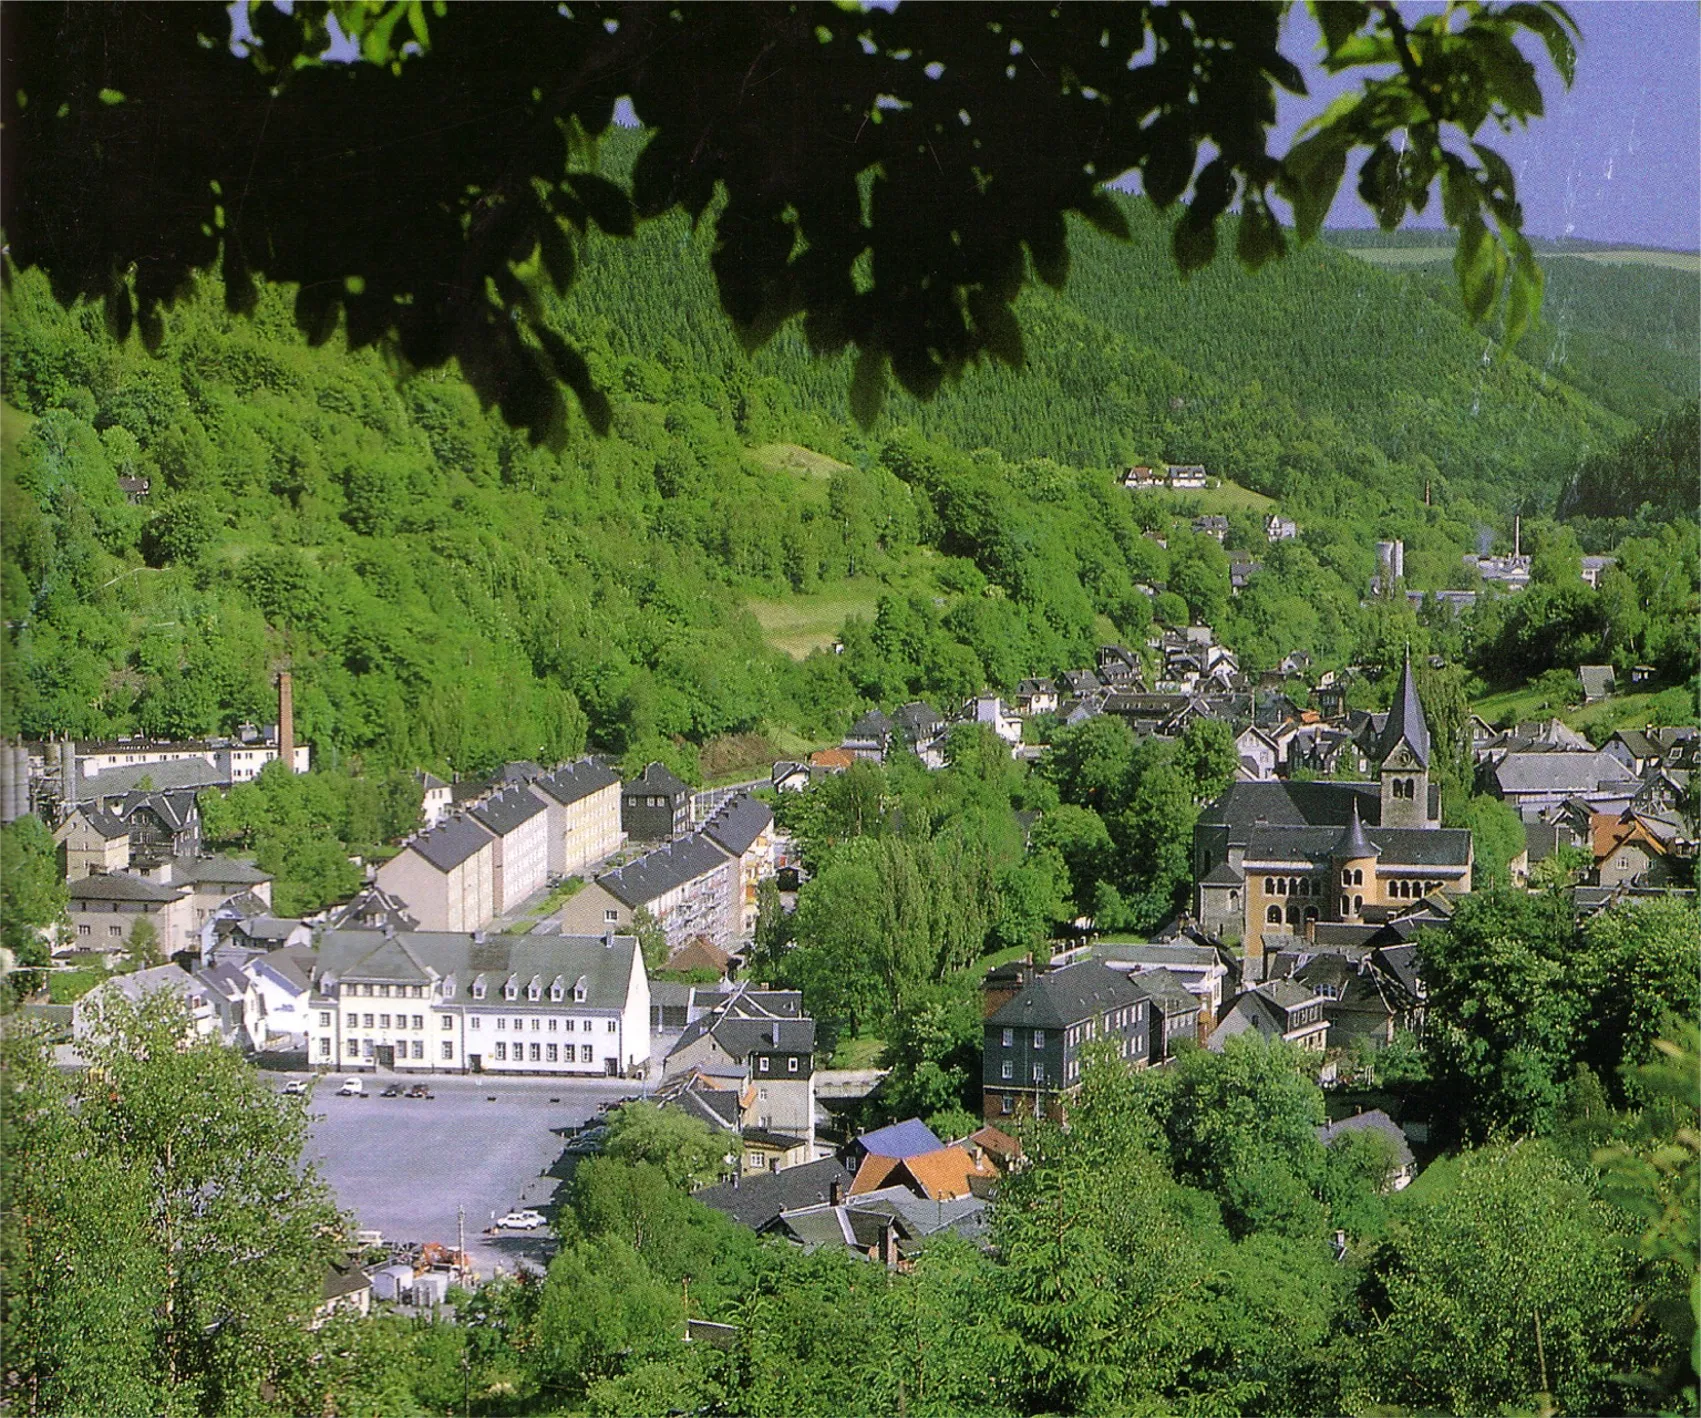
(910, 1138)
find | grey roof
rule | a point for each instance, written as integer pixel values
(176, 773)
(1561, 772)
(451, 842)
(738, 822)
(174, 809)
(917, 719)
(1243, 807)
(217, 871)
(107, 824)
(1167, 990)
(118, 886)
(1063, 997)
(658, 778)
(144, 982)
(1158, 952)
(1597, 680)
(740, 1036)
(758, 1201)
(428, 780)
(1353, 844)
(661, 871)
(1223, 875)
(418, 957)
(573, 781)
(374, 907)
(1405, 722)
(508, 810)
(294, 964)
(1374, 1121)
(269, 927)
(1287, 993)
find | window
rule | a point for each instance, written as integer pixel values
(1009, 1038)
(383, 1021)
(791, 1065)
(353, 1049)
(478, 989)
(1009, 1070)
(324, 1019)
(613, 1026)
(419, 1021)
(448, 1023)
(419, 1048)
(555, 992)
(761, 1065)
(579, 993)
(567, 1024)
(366, 1048)
(501, 1052)
(534, 991)
(553, 1053)
(354, 1021)
(1358, 904)
(537, 1023)
(115, 930)
(554, 1024)
(1039, 1038)
(586, 1054)
(368, 1023)
(501, 1021)
(611, 915)
(1345, 906)
(474, 1022)
(1006, 1105)
(1039, 1073)
(1273, 917)
(536, 1053)
(449, 988)
(324, 1048)
(82, 930)
(510, 990)
(448, 1049)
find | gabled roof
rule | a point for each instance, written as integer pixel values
(1373, 1121)
(663, 870)
(940, 1175)
(738, 822)
(1166, 990)
(217, 871)
(910, 1138)
(1060, 998)
(698, 953)
(174, 773)
(451, 842)
(120, 886)
(1561, 772)
(107, 824)
(1405, 722)
(175, 809)
(573, 781)
(419, 957)
(657, 778)
(757, 1201)
(508, 810)
(1223, 874)
(374, 908)
(872, 727)
(429, 781)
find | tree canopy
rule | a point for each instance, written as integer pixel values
(891, 176)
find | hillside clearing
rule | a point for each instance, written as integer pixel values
(795, 458)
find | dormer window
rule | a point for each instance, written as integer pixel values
(448, 987)
(478, 988)
(556, 990)
(534, 990)
(511, 989)
(580, 990)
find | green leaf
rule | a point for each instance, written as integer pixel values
(996, 324)
(1549, 23)
(1339, 20)
(1260, 235)
(1379, 184)
(1512, 78)
(1311, 175)
(1169, 163)
(1476, 262)
(1523, 300)
(609, 206)
(1104, 214)
(868, 386)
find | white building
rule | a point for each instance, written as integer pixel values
(445, 878)
(584, 815)
(453, 1002)
(518, 820)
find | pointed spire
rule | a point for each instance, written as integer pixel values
(1405, 719)
(1353, 844)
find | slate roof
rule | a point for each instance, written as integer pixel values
(758, 1201)
(1167, 990)
(373, 908)
(428, 780)
(451, 842)
(509, 810)
(293, 964)
(910, 1138)
(657, 779)
(1280, 803)
(1059, 998)
(917, 720)
(1405, 721)
(175, 809)
(417, 957)
(1561, 773)
(217, 871)
(117, 886)
(741, 1037)
(572, 782)
(661, 871)
(176, 773)
(1158, 952)
(1598, 680)
(107, 824)
(738, 822)
(1353, 843)
(1375, 1121)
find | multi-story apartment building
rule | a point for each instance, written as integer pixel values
(445, 878)
(760, 1041)
(584, 815)
(460, 1002)
(690, 887)
(517, 818)
(743, 828)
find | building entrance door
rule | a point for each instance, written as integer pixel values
(386, 1055)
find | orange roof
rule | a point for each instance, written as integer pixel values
(996, 1142)
(938, 1176)
(832, 758)
(1608, 833)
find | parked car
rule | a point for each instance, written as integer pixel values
(520, 1221)
(590, 1140)
(419, 1090)
(352, 1088)
(295, 1087)
(394, 1090)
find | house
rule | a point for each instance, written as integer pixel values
(763, 1038)
(869, 737)
(1200, 968)
(346, 1289)
(1174, 1011)
(1280, 529)
(1257, 753)
(1377, 1123)
(917, 724)
(699, 954)
(1215, 525)
(1140, 477)
(887, 1227)
(945, 1174)
(1628, 850)
(374, 909)
(1185, 475)
(989, 709)
(445, 878)
(135, 490)
(1277, 1009)
(1280, 857)
(655, 806)
(1538, 781)
(829, 760)
(1118, 665)
(1595, 567)
(161, 825)
(434, 805)
(92, 840)
(789, 777)
(87, 1013)
(758, 1202)
(895, 1142)
(1358, 1001)
(519, 862)
(1033, 1042)
(1598, 682)
(212, 881)
(230, 993)
(743, 828)
(690, 887)
(1081, 682)
(282, 984)
(1241, 571)
(463, 1002)
(1036, 696)
(584, 805)
(104, 910)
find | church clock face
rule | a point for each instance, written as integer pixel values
(1402, 757)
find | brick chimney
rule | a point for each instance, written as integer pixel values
(286, 721)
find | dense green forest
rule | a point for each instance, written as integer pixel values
(449, 596)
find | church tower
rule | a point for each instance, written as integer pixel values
(1403, 758)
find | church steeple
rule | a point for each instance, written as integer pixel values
(1403, 757)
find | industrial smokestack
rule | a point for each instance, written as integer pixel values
(1517, 535)
(286, 722)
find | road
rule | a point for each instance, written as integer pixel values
(403, 1165)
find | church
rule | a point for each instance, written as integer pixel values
(1281, 858)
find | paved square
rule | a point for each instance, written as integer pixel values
(403, 1165)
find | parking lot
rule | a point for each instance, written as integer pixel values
(403, 1165)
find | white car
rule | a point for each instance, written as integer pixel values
(352, 1088)
(295, 1087)
(526, 1220)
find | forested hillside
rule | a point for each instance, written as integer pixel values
(450, 596)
